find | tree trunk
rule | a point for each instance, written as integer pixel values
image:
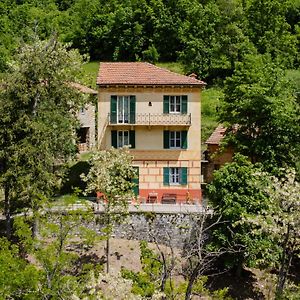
(107, 254)
(7, 212)
(191, 282)
(165, 273)
(107, 250)
(35, 227)
(284, 266)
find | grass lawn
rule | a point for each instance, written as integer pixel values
(172, 66)
(210, 102)
(89, 73)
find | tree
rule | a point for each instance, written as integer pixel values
(57, 259)
(62, 272)
(270, 32)
(237, 191)
(281, 221)
(7, 36)
(199, 255)
(262, 112)
(214, 38)
(111, 174)
(38, 117)
(18, 278)
(199, 37)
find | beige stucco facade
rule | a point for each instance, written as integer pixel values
(150, 123)
(86, 133)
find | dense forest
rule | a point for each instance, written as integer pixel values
(207, 36)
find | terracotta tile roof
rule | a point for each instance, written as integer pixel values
(141, 73)
(217, 136)
(82, 88)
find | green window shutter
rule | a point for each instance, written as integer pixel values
(114, 138)
(113, 109)
(132, 109)
(184, 104)
(166, 104)
(184, 141)
(166, 139)
(132, 138)
(166, 176)
(183, 176)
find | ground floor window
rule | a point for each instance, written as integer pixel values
(175, 175)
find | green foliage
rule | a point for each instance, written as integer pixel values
(293, 76)
(38, 109)
(207, 36)
(199, 37)
(281, 221)
(213, 37)
(19, 279)
(72, 179)
(150, 261)
(238, 191)
(111, 173)
(60, 271)
(291, 292)
(145, 282)
(37, 121)
(263, 104)
(270, 31)
(151, 55)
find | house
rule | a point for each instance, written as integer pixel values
(215, 156)
(86, 134)
(157, 113)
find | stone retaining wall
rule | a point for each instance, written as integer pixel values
(168, 229)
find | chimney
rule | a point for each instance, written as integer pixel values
(193, 75)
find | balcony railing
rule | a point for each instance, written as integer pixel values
(150, 119)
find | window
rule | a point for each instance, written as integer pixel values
(175, 139)
(175, 104)
(121, 138)
(175, 176)
(122, 109)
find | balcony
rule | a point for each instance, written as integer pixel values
(150, 119)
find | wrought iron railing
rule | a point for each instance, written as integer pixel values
(150, 119)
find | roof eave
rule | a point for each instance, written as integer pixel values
(151, 85)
